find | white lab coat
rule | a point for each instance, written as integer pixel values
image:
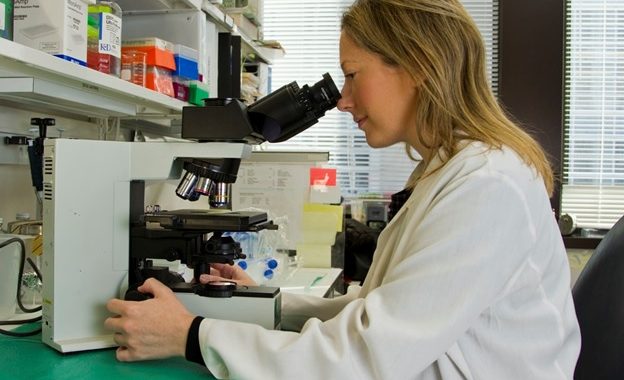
(470, 280)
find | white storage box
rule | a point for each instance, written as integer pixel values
(57, 27)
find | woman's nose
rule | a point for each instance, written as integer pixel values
(344, 103)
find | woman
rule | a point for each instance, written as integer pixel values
(470, 279)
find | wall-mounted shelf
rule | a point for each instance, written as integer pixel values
(227, 23)
(158, 5)
(37, 78)
(223, 20)
(33, 79)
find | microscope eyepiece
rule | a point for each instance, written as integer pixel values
(277, 117)
(290, 110)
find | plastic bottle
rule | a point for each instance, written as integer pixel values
(261, 270)
(104, 38)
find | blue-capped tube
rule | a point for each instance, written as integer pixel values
(260, 270)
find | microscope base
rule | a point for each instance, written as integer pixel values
(257, 305)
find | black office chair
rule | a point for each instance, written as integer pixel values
(599, 300)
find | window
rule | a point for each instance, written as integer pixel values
(593, 182)
(309, 32)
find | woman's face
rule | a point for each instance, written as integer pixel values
(380, 97)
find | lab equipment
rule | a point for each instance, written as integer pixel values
(274, 118)
(104, 38)
(100, 242)
(261, 270)
(134, 66)
(96, 241)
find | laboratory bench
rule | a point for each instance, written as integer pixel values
(29, 358)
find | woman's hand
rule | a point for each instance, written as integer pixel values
(220, 272)
(151, 329)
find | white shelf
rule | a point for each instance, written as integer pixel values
(158, 5)
(37, 78)
(227, 23)
(34, 78)
(213, 11)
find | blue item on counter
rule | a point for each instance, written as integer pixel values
(268, 274)
(271, 263)
(260, 270)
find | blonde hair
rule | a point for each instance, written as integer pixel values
(439, 45)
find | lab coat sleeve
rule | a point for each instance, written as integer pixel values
(447, 268)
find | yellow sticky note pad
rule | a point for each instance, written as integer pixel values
(314, 255)
(316, 210)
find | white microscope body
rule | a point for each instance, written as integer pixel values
(87, 235)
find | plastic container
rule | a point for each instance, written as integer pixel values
(181, 88)
(104, 38)
(160, 80)
(261, 270)
(186, 62)
(6, 19)
(198, 91)
(159, 52)
(134, 66)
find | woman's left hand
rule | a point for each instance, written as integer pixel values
(151, 329)
(227, 272)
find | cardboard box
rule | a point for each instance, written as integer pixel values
(57, 27)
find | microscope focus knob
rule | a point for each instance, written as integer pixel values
(217, 289)
(135, 295)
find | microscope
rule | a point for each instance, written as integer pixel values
(100, 242)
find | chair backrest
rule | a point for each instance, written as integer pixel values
(599, 301)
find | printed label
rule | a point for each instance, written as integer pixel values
(322, 177)
(110, 34)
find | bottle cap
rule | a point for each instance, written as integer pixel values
(272, 263)
(243, 264)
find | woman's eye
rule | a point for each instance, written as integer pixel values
(349, 75)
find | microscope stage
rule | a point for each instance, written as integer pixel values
(209, 220)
